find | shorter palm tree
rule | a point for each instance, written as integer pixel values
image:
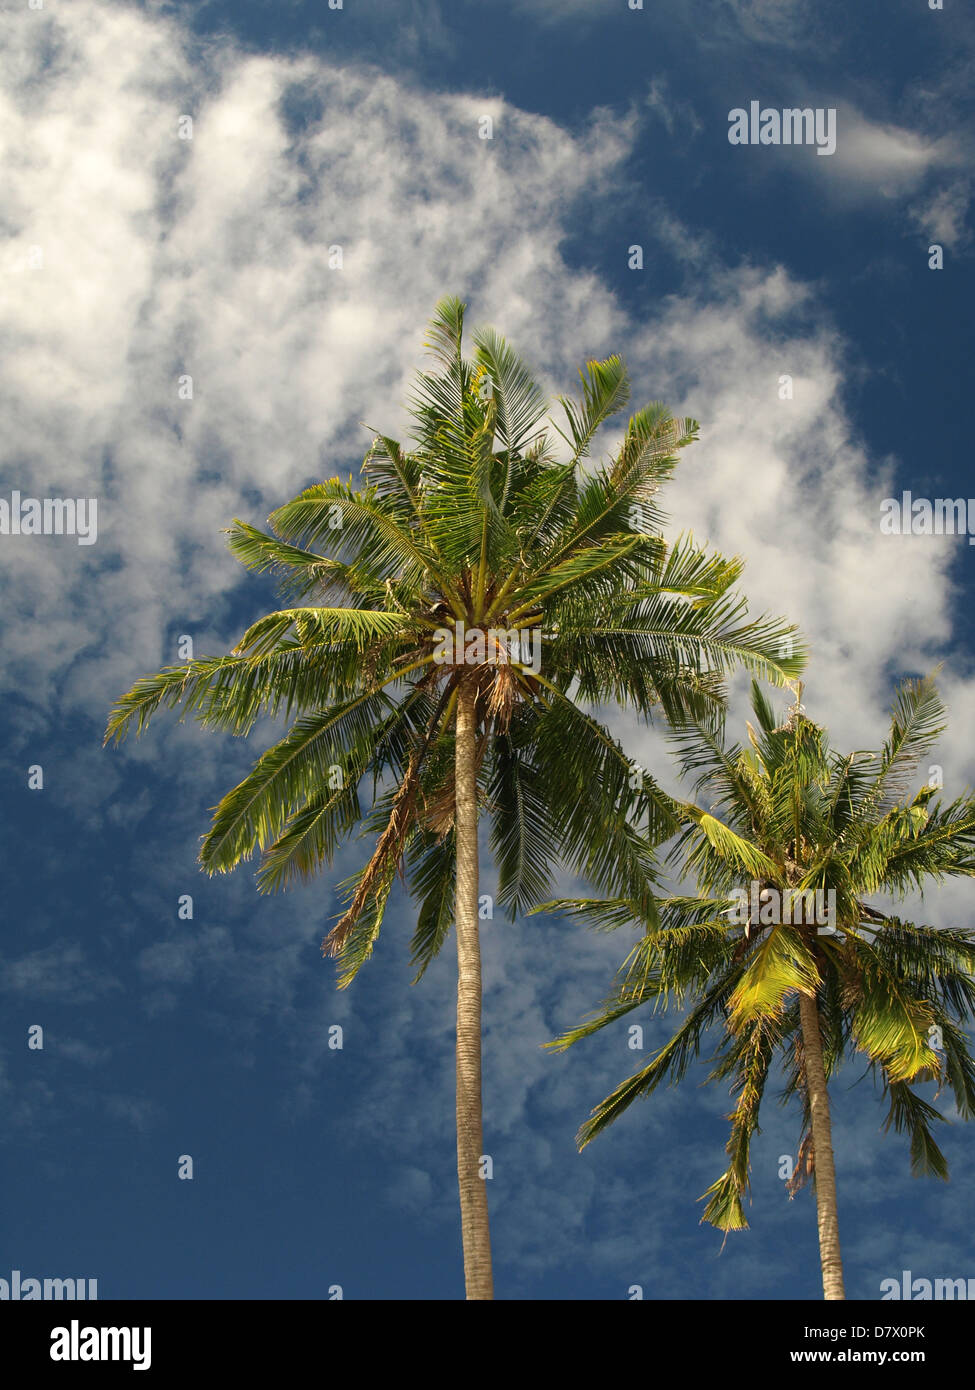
(788, 954)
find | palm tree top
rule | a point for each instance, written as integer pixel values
(785, 819)
(489, 523)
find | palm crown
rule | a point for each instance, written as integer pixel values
(789, 819)
(478, 524)
(448, 623)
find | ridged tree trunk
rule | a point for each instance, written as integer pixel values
(473, 1189)
(822, 1137)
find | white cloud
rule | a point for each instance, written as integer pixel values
(775, 22)
(787, 484)
(77, 1050)
(783, 22)
(883, 158)
(880, 161)
(677, 113)
(210, 257)
(941, 215)
(57, 971)
(142, 1114)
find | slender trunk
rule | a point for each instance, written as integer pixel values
(822, 1137)
(473, 1189)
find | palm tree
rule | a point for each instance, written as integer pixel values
(784, 952)
(447, 623)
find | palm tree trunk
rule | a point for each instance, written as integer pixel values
(473, 1190)
(822, 1137)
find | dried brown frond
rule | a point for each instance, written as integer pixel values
(438, 810)
(502, 695)
(389, 847)
(805, 1166)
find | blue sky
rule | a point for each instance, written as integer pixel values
(161, 257)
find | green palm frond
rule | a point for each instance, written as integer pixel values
(909, 1112)
(787, 818)
(749, 1060)
(290, 773)
(432, 865)
(605, 391)
(520, 405)
(782, 963)
(917, 721)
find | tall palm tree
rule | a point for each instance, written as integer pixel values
(448, 622)
(778, 971)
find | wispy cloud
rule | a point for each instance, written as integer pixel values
(884, 159)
